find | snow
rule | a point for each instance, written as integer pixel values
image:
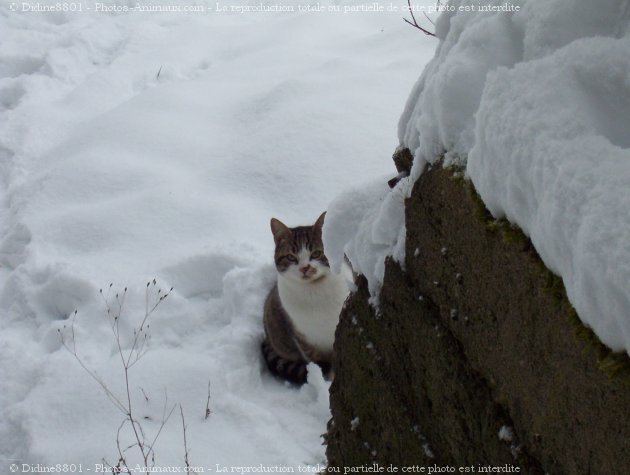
(506, 434)
(145, 145)
(366, 224)
(354, 423)
(535, 105)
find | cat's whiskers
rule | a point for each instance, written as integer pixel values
(302, 310)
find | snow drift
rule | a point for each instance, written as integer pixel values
(139, 145)
(534, 104)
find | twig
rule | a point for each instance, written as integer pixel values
(128, 358)
(73, 351)
(208, 411)
(428, 18)
(415, 23)
(165, 419)
(186, 462)
(146, 398)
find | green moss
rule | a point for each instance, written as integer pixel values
(480, 210)
(513, 234)
(614, 364)
(510, 233)
(553, 285)
(457, 174)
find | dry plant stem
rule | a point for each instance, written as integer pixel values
(73, 351)
(165, 418)
(208, 411)
(135, 353)
(186, 462)
(128, 359)
(121, 466)
(415, 23)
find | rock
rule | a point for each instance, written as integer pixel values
(510, 359)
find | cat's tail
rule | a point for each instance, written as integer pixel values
(293, 371)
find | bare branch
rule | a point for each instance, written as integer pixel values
(121, 466)
(146, 398)
(165, 418)
(415, 23)
(208, 411)
(186, 462)
(128, 358)
(73, 351)
(428, 18)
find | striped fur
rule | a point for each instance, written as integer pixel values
(302, 265)
(292, 371)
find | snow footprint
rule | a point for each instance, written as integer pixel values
(13, 246)
(201, 276)
(11, 92)
(15, 66)
(13, 69)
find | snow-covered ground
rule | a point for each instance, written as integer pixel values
(532, 97)
(143, 145)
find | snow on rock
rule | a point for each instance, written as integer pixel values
(562, 175)
(443, 102)
(152, 144)
(535, 105)
(366, 224)
(506, 434)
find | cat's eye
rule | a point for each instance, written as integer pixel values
(291, 258)
(316, 254)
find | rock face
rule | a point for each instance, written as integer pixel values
(472, 359)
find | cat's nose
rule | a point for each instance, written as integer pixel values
(305, 269)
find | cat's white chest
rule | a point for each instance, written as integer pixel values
(314, 308)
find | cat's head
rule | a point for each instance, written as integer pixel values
(300, 251)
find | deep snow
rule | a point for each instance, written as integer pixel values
(543, 132)
(142, 145)
(535, 105)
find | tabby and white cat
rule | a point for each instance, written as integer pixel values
(302, 310)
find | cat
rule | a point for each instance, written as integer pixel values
(302, 310)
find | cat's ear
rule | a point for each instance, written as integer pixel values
(320, 222)
(279, 230)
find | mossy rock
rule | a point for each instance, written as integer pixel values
(475, 335)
